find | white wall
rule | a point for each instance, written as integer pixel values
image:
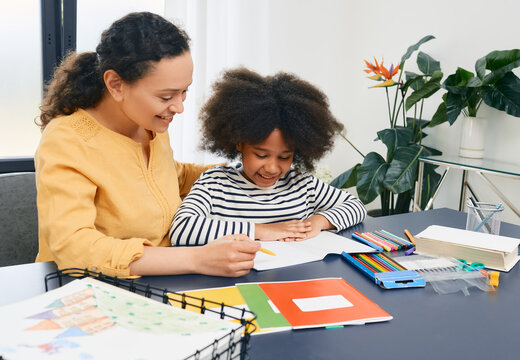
(326, 42)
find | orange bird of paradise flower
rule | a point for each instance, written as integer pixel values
(381, 73)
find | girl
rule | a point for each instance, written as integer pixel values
(279, 125)
(107, 182)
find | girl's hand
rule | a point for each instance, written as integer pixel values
(287, 231)
(318, 223)
(226, 256)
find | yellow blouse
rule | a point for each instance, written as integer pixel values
(99, 203)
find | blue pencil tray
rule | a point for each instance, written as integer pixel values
(389, 280)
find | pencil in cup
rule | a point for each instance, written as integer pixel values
(484, 217)
(265, 251)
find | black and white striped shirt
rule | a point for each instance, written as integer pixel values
(223, 202)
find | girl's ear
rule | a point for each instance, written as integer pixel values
(239, 147)
(114, 84)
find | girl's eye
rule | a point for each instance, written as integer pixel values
(261, 156)
(166, 98)
(285, 158)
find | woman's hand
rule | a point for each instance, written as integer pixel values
(292, 230)
(226, 256)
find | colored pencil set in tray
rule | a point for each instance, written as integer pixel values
(384, 271)
(383, 240)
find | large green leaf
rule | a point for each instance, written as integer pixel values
(402, 172)
(427, 64)
(440, 115)
(499, 62)
(457, 83)
(370, 177)
(429, 88)
(346, 179)
(414, 47)
(505, 95)
(411, 122)
(454, 105)
(394, 138)
(429, 151)
(413, 80)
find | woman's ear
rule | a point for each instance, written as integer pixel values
(114, 84)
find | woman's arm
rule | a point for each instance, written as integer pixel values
(222, 257)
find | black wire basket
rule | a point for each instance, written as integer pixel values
(228, 346)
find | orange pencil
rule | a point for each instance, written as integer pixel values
(409, 236)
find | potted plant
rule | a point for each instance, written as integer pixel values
(392, 177)
(494, 84)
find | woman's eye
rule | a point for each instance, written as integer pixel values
(166, 98)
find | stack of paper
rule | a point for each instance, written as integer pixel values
(494, 251)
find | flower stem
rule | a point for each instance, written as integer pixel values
(355, 148)
(392, 120)
(388, 104)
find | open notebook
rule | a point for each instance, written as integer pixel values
(300, 252)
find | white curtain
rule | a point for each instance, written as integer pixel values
(219, 40)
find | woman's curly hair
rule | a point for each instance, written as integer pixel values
(247, 107)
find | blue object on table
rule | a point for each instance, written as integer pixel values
(486, 219)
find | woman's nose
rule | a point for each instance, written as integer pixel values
(177, 106)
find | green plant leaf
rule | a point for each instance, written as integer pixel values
(402, 172)
(429, 151)
(413, 80)
(429, 88)
(440, 115)
(414, 47)
(427, 64)
(457, 83)
(410, 122)
(346, 179)
(474, 82)
(505, 95)
(499, 62)
(370, 177)
(454, 105)
(393, 138)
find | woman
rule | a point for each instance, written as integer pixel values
(107, 183)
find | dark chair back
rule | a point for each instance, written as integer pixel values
(18, 219)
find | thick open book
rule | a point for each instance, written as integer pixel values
(494, 251)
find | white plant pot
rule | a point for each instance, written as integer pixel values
(472, 137)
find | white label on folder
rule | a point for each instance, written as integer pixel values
(273, 306)
(322, 303)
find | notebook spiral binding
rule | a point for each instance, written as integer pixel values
(228, 352)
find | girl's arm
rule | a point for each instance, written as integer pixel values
(192, 225)
(340, 208)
